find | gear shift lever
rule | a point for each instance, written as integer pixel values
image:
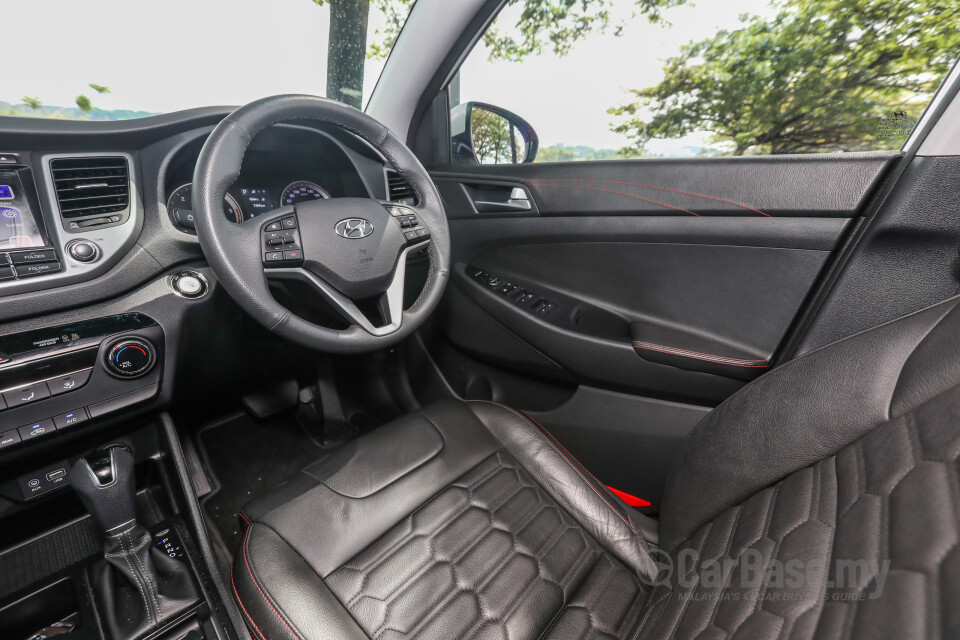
(107, 488)
(138, 586)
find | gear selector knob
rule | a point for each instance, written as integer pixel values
(106, 487)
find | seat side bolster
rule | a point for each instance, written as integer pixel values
(585, 498)
(796, 415)
(266, 571)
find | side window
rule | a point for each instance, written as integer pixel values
(607, 79)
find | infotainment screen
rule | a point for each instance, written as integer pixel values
(19, 228)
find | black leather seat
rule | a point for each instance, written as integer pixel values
(469, 520)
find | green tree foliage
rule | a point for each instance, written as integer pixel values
(492, 139)
(99, 88)
(84, 103)
(557, 25)
(33, 103)
(821, 75)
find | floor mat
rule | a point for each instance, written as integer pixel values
(246, 457)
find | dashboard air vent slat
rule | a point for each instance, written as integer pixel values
(91, 186)
(399, 189)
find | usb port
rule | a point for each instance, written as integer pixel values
(56, 475)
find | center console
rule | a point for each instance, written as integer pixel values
(57, 380)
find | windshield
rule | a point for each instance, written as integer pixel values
(117, 59)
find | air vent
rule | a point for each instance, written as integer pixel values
(91, 186)
(400, 190)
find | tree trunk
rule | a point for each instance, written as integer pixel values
(347, 50)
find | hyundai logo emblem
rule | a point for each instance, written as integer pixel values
(354, 228)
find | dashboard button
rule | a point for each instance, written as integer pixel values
(27, 394)
(9, 158)
(6, 273)
(9, 440)
(69, 382)
(36, 430)
(70, 419)
(189, 284)
(27, 257)
(30, 270)
(185, 218)
(93, 223)
(83, 251)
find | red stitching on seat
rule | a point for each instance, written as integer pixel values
(695, 355)
(240, 602)
(621, 193)
(650, 186)
(267, 600)
(561, 449)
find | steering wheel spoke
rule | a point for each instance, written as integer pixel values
(390, 302)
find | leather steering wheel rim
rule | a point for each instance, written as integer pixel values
(235, 253)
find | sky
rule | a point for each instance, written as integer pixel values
(177, 54)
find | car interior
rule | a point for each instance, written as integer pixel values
(298, 370)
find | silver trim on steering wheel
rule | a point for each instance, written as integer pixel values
(393, 295)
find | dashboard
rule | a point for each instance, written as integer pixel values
(104, 289)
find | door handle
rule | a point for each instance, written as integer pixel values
(518, 201)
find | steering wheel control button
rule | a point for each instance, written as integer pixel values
(37, 430)
(130, 357)
(9, 440)
(281, 243)
(26, 395)
(83, 251)
(189, 284)
(70, 419)
(39, 255)
(69, 382)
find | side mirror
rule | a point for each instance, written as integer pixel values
(485, 134)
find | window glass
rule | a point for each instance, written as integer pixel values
(118, 59)
(602, 79)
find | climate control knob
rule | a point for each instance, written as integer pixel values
(130, 357)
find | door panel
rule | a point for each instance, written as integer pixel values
(645, 291)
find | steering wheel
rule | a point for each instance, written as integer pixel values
(348, 250)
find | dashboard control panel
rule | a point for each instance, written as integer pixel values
(57, 379)
(65, 218)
